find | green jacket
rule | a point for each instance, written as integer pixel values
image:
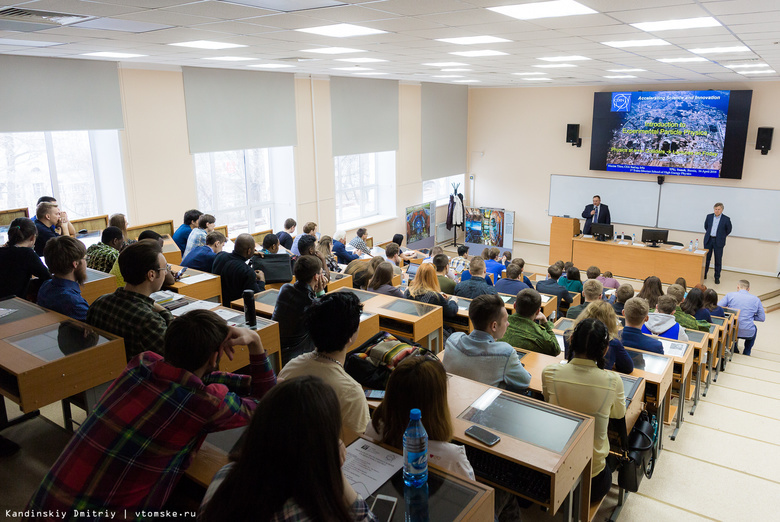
(528, 335)
(688, 321)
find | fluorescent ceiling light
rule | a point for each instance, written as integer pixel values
(466, 81)
(625, 70)
(564, 58)
(719, 50)
(456, 70)
(107, 54)
(762, 71)
(683, 60)
(375, 73)
(472, 40)
(485, 52)
(355, 68)
(27, 43)
(445, 64)
(341, 30)
(669, 25)
(746, 65)
(448, 76)
(543, 10)
(538, 79)
(359, 60)
(230, 58)
(115, 24)
(287, 6)
(653, 42)
(207, 44)
(528, 73)
(616, 76)
(271, 65)
(554, 65)
(333, 50)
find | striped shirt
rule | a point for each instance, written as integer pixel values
(360, 245)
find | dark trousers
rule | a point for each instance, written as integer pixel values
(718, 259)
(600, 484)
(749, 342)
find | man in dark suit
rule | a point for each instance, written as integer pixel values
(716, 227)
(550, 286)
(595, 213)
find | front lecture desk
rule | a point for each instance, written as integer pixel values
(639, 262)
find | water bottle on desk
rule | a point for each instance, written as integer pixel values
(633, 238)
(690, 246)
(415, 451)
(697, 243)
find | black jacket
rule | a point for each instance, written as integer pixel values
(292, 301)
(236, 276)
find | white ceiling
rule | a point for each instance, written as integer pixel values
(410, 41)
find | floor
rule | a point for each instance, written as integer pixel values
(724, 465)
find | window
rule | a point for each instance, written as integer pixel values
(81, 169)
(247, 190)
(441, 188)
(365, 186)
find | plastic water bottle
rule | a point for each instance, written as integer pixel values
(690, 246)
(415, 451)
(416, 500)
(622, 235)
(633, 238)
(697, 243)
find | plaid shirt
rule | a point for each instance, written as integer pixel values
(361, 245)
(458, 264)
(131, 315)
(132, 449)
(101, 256)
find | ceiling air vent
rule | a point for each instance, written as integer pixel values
(29, 20)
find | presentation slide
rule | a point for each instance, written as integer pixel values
(420, 223)
(489, 227)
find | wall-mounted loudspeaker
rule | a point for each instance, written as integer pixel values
(573, 134)
(764, 139)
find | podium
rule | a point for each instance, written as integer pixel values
(562, 230)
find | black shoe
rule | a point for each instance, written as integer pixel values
(705, 277)
(717, 280)
(735, 350)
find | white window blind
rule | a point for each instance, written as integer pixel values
(445, 115)
(364, 115)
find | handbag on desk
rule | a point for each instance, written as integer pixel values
(277, 268)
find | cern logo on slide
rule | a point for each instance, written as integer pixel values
(621, 102)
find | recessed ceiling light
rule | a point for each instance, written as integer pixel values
(27, 43)
(683, 60)
(669, 25)
(472, 40)
(445, 64)
(554, 65)
(466, 81)
(207, 44)
(230, 58)
(564, 58)
(375, 73)
(455, 70)
(341, 30)
(761, 71)
(653, 42)
(719, 50)
(746, 65)
(333, 50)
(359, 60)
(528, 73)
(485, 52)
(448, 76)
(538, 79)
(616, 76)
(543, 10)
(107, 54)
(271, 65)
(355, 68)
(625, 70)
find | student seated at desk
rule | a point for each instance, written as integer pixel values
(235, 275)
(711, 303)
(591, 292)
(693, 304)
(662, 322)
(528, 327)
(651, 290)
(182, 233)
(285, 235)
(120, 221)
(520, 262)
(622, 294)
(425, 289)
(461, 262)
(289, 466)
(393, 255)
(475, 285)
(636, 313)
(493, 265)
(133, 447)
(344, 257)
(442, 265)
(420, 382)
(157, 238)
(102, 256)
(49, 225)
(129, 312)
(359, 242)
(309, 229)
(572, 280)
(197, 238)
(550, 286)
(63, 227)
(381, 282)
(332, 321)
(362, 271)
(584, 386)
(607, 279)
(511, 284)
(325, 249)
(293, 299)
(616, 357)
(480, 356)
(685, 319)
(18, 260)
(65, 257)
(202, 257)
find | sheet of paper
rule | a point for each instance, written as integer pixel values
(587, 236)
(197, 305)
(639, 244)
(622, 242)
(674, 349)
(229, 315)
(6, 311)
(699, 251)
(197, 279)
(559, 338)
(165, 296)
(368, 466)
(678, 247)
(546, 298)
(505, 298)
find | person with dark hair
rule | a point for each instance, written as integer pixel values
(636, 313)
(651, 290)
(47, 220)
(66, 259)
(120, 221)
(528, 328)
(442, 264)
(458, 264)
(18, 260)
(197, 238)
(511, 284)
(476, 284)
(339, 248)
(102, 256)
(285, 236)
(616, 357)
(595, 213)
(332, 322)
(685, 319)
(307, 245)
(425, 289)
(309, 229)
(293, 299)
(134, 446)
(202, 257)
(681, 281)
(711, 303)
(550, 286)
(584, 386)
(301, 477)
(235, 275)
(63, 223)
(607, 280)
(381, 281)
(519, 261)
(362, 270)
(572, 281)
(393, 255)
(145, 235)
(325, 251)
(480, 356)
(420, 382)
(129, 312)
(270, 244)
(405, 253)
(694, 305)
(359, 242)
(622, 294)
(493, 265)
(182, 233)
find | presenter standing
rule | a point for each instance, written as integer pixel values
(595, 213)
(716, 227)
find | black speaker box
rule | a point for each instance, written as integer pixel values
(572, 132)
(764, 139)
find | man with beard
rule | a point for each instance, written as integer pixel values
(66, 258)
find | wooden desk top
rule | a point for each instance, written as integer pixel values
(203, 290)
(98, 283)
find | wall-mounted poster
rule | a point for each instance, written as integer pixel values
(420, 223)
(485, 226)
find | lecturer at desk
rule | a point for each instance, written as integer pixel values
(595, 213)
(716, 227)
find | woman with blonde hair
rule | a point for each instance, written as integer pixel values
(616, 357)
(120, 221)
(425, 289)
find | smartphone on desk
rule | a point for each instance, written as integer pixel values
(384, 507)
(482, 435)
(376, 395)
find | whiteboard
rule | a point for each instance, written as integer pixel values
(629, 202)
(753, 212)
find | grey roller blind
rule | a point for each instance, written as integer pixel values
(237, 110)
(364, 115)
(445, 118)
(51, 94)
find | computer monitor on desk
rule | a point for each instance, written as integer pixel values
(654, 236)
(601, 231)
